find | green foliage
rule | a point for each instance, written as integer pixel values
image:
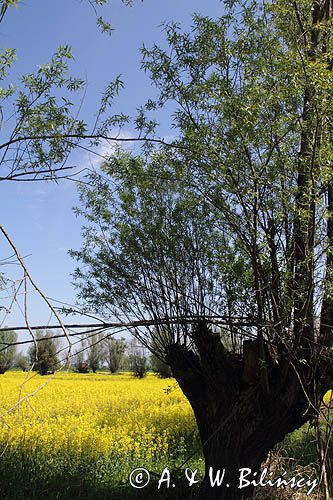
(7, 351)
(104, 25)
(44, 119)
(4, 4)
(43, 353)
(40, 112)
(206, 226)
(151, 242)
(160, 367)
(158, 346)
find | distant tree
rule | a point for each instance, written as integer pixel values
(138, 361)
(96, 352)
(7, 352)
(138, 364)
(125, 364)
(43, 354)
(80, 361)
(115, 349)
(21, 361)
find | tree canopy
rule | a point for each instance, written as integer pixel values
(209, 225)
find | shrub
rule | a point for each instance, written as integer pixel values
(160, 368)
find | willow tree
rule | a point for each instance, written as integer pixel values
(234, 221)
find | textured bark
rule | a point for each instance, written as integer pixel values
(242, 438)
(238, 424)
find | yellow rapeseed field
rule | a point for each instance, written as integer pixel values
(86, 432)
(93, 415)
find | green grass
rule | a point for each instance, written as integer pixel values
(30, 477)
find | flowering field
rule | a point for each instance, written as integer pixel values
(82, 434)
(91, 428)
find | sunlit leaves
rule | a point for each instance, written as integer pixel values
(44, 116)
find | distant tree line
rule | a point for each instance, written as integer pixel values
(97, 351)
(93, 353)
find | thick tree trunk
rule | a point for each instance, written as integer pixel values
(235, 444)
(237, 422)
(226, 475)
(226, 455)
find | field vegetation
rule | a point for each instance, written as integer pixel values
(82, 434)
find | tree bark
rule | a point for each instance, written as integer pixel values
(241, 440)
(237, 422)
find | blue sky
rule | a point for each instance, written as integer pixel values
(39, 216)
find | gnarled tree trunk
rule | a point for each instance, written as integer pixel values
(238, 424)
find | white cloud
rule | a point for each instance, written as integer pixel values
(95, 157)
